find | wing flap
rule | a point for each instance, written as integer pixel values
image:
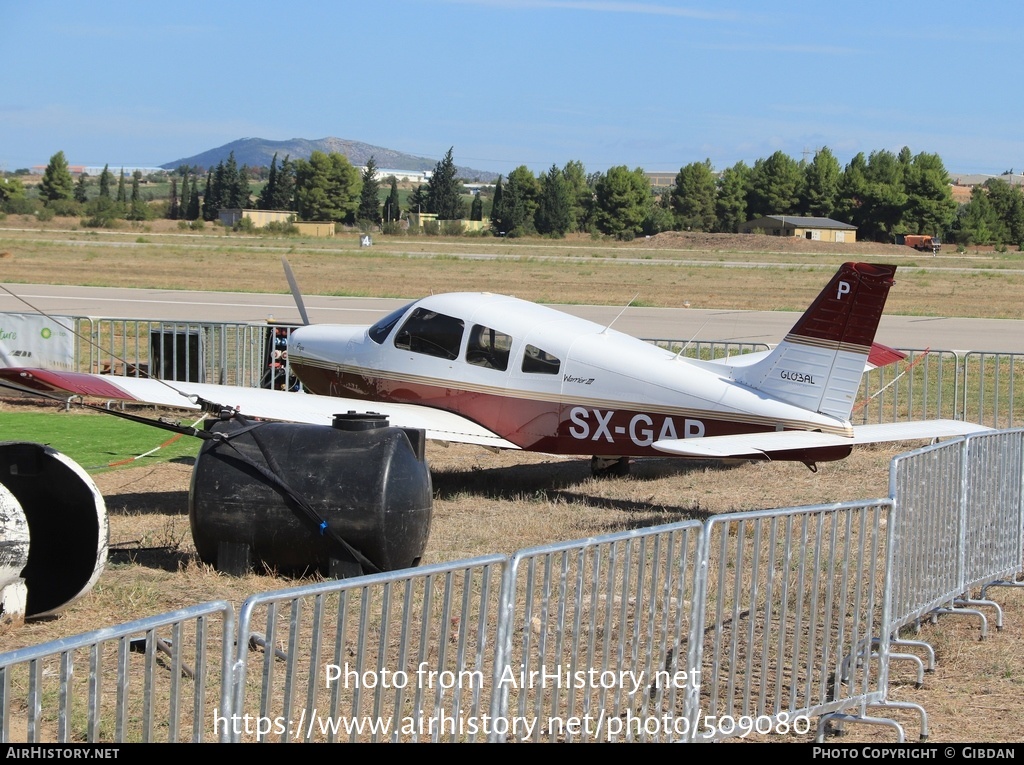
(253, 402)
(759, 444)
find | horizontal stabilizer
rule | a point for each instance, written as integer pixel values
(760, 444)
(883, 355)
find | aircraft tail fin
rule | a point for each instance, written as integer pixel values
(818, 366)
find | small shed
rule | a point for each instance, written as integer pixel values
(803, 226)
(315, 228)
(229, 216)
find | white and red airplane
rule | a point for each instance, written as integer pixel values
(501, 372)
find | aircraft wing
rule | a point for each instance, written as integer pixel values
(252, 402)
(758, 444)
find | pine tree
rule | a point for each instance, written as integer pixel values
(581, 195)
(369, 196)
(519, 203)
(57, 183)
(821, 184)
(444, 192)
(731, 198)
(693, 197)
(554, 209)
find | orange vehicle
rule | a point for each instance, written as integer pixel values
(921, 242)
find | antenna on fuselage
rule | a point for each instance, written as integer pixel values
(296, 295)
(620, 313)
(690, 341)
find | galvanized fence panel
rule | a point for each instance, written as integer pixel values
(926, 385)
(156, 679)
(794, 599)
(708, 350)
(993, 389)
(993, 508)
(248, 355)
(401, 656)
(958, 523)
(928, 545)
(597, 641)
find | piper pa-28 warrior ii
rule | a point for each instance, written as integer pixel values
(502, 372)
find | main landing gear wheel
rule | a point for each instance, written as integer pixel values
(609, 467)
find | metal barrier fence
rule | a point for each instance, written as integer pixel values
(401, 656)
(960, 506)
(249, 355)
(975, 386)
(982, 387)
(750, 623)
(158, 679)
(793, 600)
(597, 640)
(708, 350)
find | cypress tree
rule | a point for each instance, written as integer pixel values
(266, 197)
(498, 209)
(193, 202)
(174, 206)
(122, 196)
(105, 178)
(81, 195)
(391, 208)
(209, 211)
(284, 192)
(369, 195)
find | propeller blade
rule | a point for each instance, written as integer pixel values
(296, 295)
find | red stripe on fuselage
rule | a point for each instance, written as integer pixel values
(533, 423)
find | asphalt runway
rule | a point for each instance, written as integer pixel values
(908, 332)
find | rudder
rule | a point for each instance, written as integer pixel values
(819, 364)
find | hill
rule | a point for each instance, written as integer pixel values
(259, 152)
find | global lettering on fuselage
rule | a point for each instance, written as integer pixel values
(800, 377)
(642, 429)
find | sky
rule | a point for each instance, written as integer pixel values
(504, 83)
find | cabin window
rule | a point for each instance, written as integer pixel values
(488, 348)
(379, 332)
(536, 361)
(431, 333)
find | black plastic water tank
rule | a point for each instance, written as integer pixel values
(369, 482)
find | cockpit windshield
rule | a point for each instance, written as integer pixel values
(379, 332)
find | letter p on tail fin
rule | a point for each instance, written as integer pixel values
(818, 366)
